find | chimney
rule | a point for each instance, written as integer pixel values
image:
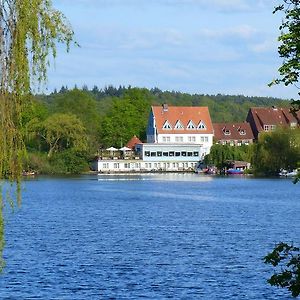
(165, 107)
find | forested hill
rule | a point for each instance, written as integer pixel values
(223, 108)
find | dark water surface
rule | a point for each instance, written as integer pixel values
(177, 236)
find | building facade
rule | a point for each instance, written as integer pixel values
(177, 139)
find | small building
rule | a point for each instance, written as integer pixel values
(131, 144)
(234, 134)
(266, 119)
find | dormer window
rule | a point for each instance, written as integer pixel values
(226, 131)
(241, 131)
(178, 125)
(191, 125)
(201, 125)
(167, 125)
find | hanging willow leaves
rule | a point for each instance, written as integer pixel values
(29, 31)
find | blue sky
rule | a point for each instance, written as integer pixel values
(194, 46)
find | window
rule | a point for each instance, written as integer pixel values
(242, 132)
(166, 139)
(190, 153)
(196, 153)
(171, 153)
(177, 154)
(178, 125)
(179, 139)
(159, 153)
(167, 125)
(227, 131)
(269, 127)
(183, 153)
(105, 166)
(202, 139)
(165, 153)
(116, 166)
(206, 138)
(153, 154)
(191, 125)
(192, 139)
(147, 153)
(201, 125)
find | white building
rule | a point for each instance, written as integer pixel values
(178, 138)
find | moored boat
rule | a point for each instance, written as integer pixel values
(234, 171)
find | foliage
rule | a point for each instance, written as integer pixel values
(286, 258)
(219, 154)
(61, 131)
(70, 161)
(289, 48)
(83, 105)
(127, 117)
(277, 150)
(29, 30)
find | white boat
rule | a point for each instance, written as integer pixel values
(285, 173)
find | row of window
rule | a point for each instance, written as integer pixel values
(191, 125)
(238, 143)
(171, 153)
(181, 139)
(151, 165)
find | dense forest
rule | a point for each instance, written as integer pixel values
(65, 129)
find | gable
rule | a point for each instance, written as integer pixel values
(190, 125)
(178, 125)
(201, 125)
(167, 125)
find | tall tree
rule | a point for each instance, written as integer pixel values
(289, 48)
(29, 30)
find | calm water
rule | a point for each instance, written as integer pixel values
(151, 236)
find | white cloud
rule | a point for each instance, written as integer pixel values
(241, 31)
(264, 46)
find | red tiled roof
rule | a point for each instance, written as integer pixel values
(273, 116)
(184, 114)
(236, 131)
(133, 141)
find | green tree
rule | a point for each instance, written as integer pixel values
(289, 48)
(277, 150)
(62, 131)
(29, 30)
(286, 258)
(220, 154)
(127, 117)
(83, 105)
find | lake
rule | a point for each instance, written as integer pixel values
(156, 236)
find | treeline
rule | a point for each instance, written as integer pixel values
(64, 130)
